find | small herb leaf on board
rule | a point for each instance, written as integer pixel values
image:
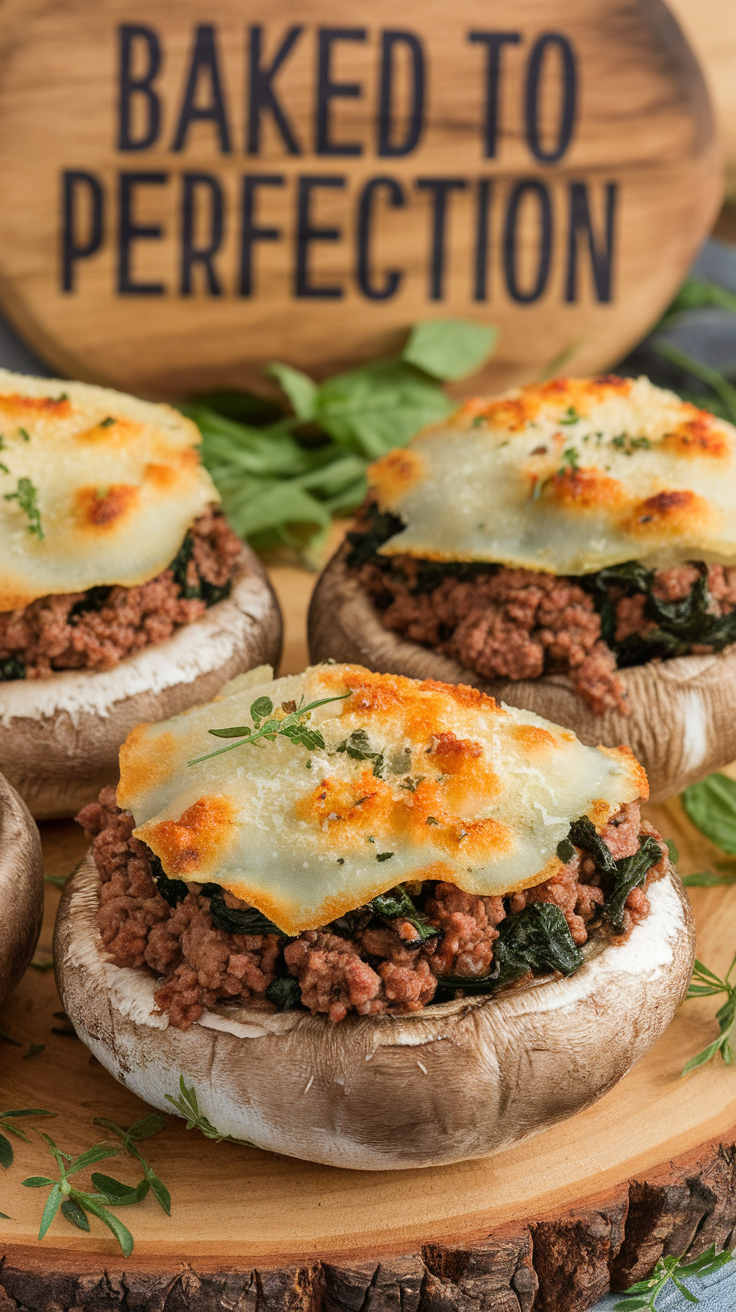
(135, 1134)
(705, 984)
(187, 1106)
(7, 1123)
(672, 1270)
(449, 348)
(711, 805)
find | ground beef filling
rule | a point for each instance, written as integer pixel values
(377, 967)
(94, 630)
(520, 624)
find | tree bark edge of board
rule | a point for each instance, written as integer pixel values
(561, 1262)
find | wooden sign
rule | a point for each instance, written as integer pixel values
(191, 191)
(711, 27)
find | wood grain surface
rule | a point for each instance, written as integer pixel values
(174, 217)
(650, 1169)
(711, 28)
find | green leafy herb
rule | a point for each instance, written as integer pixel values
(383, 856)
(187, 1106)
(570, 416)
(292, 725)
(705, 984)
(25, 434)
(299, 388)
(449, 348)
(707, 879)
(623, 442)
(75, 1203)
(34, 1050)
(711, 805)
(671, 1270)
(58, 881)
(201, 588)
(26, 495)
(713, 377)
(565, 851)
(7, 1123)
(570, 460)
(358, 747)
(431, 820)
(107, 422)
(135, 1134)
(673, 850)
(397, 904)
(43, 965)
(285, 993)
(631, 871)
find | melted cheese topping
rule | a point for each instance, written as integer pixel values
(117, 483)
(567, 476)
(465, 791)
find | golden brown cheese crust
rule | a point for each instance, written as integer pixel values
(439, 783)
(568, 477)
(115, 481)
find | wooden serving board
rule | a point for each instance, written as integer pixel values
(549, 1224)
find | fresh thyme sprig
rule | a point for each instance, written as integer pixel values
(705, 984)
(644, 1293)
(26, 495)
(76, 1203)
(6, 1119)
(290, 722)
(188, 1107)
(143, 1129)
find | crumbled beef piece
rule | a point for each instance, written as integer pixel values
(675, 583)
(50, 634)
(332, 977)
(510, 623)
(468, 926)
(383, 966)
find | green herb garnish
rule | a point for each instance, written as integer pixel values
(570, 416)
(293, 725)
(535, 939)
(705, 984)
(107, 422)
(76, 1203)
(25, 434)
(26, 495)
(570, 460)
(135, 1134)
(187, 1106)
(7, 1120)
(644, 1293)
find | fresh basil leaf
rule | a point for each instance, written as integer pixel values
(74, 1214)
(285, 993)
(299, 388)
(380, 406)
(449, 348)
(631, 871)
(711, 805)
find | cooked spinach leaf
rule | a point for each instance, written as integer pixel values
(171, 890)
(630, 873)
(202, 590)
(237, 920)
(285, 993)
(583, 834)
(395, 904)
(535, 939)
(11, 668)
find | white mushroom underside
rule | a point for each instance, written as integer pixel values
(458, 1080)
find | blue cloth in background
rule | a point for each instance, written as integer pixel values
(709, 334)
